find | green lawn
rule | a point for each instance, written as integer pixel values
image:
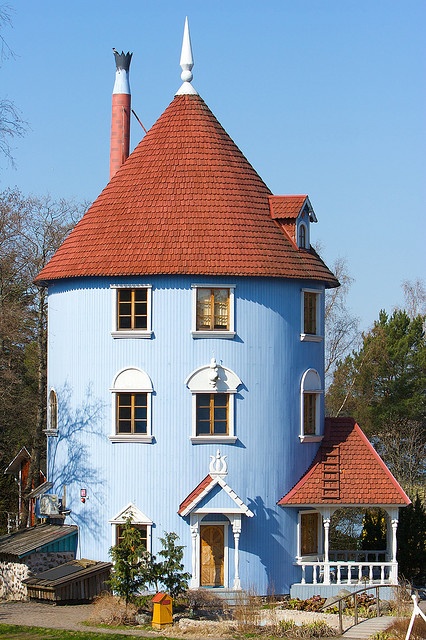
(17, 632)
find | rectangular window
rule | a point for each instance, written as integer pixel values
(309, 414)
(212, 414)
(309, 523)
(132, 309)
(212, 309)
(132, 413)
(142, 528)
(310, 313)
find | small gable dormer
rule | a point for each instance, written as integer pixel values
(294, 215)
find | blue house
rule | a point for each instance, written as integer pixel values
(186, 355)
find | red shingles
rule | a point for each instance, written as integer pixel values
(192, 497)
(363, 477)
(186, 201)
(283, 207)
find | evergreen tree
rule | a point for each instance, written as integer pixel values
(382, 386)
(411, 536)
(373, 535)
(128, 556)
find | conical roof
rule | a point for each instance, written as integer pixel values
(186, 201)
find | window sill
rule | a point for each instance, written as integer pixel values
(310, 337)
(130, 437)
(214, 334)
(213, 439)
(132, 334)
(311, 438)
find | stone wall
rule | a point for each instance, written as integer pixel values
(12, 573)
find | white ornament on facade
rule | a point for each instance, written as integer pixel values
(218, 465)
(213, 373)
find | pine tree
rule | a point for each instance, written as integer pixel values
(411, 537)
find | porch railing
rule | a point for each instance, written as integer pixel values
(352, 572)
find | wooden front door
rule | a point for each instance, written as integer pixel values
(212, 554)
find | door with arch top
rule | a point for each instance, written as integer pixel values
(212, 554)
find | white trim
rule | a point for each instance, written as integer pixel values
(312, 337)
(138, 517)
(132, 380)
(229, 333)
(308, 557)
(131, 333)
(311, 383)
(241, 507)
(215, 438)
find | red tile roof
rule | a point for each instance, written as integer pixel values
(286, 206)
(346, 470)
(203, 487)
(186, 201)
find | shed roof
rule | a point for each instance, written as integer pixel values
(186, 201)
(25, 541)
(347, 470)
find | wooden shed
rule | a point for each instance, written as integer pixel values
(75, 581)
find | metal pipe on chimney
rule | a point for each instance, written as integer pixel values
(121, 110)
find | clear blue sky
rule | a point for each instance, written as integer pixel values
(325, 97)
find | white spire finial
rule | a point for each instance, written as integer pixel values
(186, 63)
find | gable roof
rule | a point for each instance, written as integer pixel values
(204, 488)
(290, 207)
(347, 470)
(186, 201)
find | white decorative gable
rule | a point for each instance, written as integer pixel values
(213, 377)
(133, 512)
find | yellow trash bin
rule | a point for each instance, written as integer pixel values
(162, 614)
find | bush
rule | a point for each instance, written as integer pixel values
(113, 611)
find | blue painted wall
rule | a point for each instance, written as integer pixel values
(265, 462)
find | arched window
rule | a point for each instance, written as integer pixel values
(310, 406)
(131, 392)
(52, 414)
(213, 388)
(302, 236)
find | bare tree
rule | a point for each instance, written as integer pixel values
(11, 123)
(31, 229)
(341, 327)
(415, 297)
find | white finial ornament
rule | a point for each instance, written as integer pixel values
(186, 63)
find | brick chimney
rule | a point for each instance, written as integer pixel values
(120, 120)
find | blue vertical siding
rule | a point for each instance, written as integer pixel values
(264, 463)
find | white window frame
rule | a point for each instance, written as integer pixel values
(230, 333)
(312, 337)
(50, 431)
(132, 380)
(210, 379)
(131, 333)
(138, 517)
(311, 384)
(320, 551)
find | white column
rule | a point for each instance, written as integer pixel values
(195, 539)
(326, 525)
(236, 529)
(394, 572)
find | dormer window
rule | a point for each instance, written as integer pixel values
(302, 236)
